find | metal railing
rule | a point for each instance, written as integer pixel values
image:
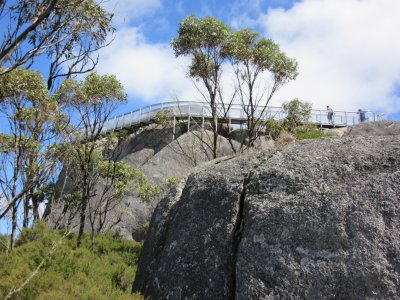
(233, 112)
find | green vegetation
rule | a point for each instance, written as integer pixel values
(107, 272)
(295, 125)
(67, 32)
(298, 113)
(163, 118)
(310, 131)
(171, 180)
(210, 43)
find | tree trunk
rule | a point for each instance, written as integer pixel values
(35, 208)
(13, 225)
(82, 220)
(26, 212)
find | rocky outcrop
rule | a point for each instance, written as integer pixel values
(159, 156)
(316, 219)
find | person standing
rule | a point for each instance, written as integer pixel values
(361, 114)
(330, 114)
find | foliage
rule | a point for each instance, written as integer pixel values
(93, 100)
(285, 138)
(308, 131)
(296, 123)
(210, 43)
(70, 273)
(163, 118)
(68, 32)
(148, 191)
(171, 180)
(35, 126)
(252, 55)
(203, 39)
(274, 128)
(298, 113)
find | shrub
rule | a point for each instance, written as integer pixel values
(286, 138)
(171, 180)
(70, 273)
(163, 118)
(309, 131)
(298, 113)
(274, 128)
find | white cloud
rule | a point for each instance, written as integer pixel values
(149, 72)
(128, 10)
(347, 52)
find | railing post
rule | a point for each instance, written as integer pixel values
(320, 119)
(188, 126)
(149, 113)
(345, 116)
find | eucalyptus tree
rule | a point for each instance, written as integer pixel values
(33, 127)
(260, 69)
(204, 39)
(91, 102)
(67, 32)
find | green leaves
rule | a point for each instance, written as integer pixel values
(245, 47)
(197, 35)
(298, 113)
(23, 83)
(63, 30)
(94, 89)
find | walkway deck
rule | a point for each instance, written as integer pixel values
(235, 114)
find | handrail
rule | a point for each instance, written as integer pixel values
(236, 112)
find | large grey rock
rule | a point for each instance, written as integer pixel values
(378, 128)
(159, 156)
(317, 219)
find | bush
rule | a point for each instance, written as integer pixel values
(163, 118)
(274, 128)
(298, 113)
(70, 273)
(171, 180)
(286, 138)
(309, 131)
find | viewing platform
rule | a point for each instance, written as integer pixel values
(234, 114)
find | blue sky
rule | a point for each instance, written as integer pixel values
(347, 50)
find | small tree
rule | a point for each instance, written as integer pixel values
(204, 40)
(92, 101)
(252, 59)
(35, 126)
(298, 113)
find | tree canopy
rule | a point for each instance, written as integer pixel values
(67, 32)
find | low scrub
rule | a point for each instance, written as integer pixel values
(309, 131)
(107, 272)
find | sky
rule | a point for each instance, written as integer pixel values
(347, 50)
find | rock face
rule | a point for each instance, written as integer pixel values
(316, 219)
(159, 156)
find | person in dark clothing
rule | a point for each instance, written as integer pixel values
(361, 113)
(330, 114)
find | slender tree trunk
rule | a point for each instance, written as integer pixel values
(35, 209)
(82, 219)
(215, 136)
(26, 212)
(13, 225)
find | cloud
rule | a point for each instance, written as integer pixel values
(149, 72)
(347, 52)
(126, 11)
